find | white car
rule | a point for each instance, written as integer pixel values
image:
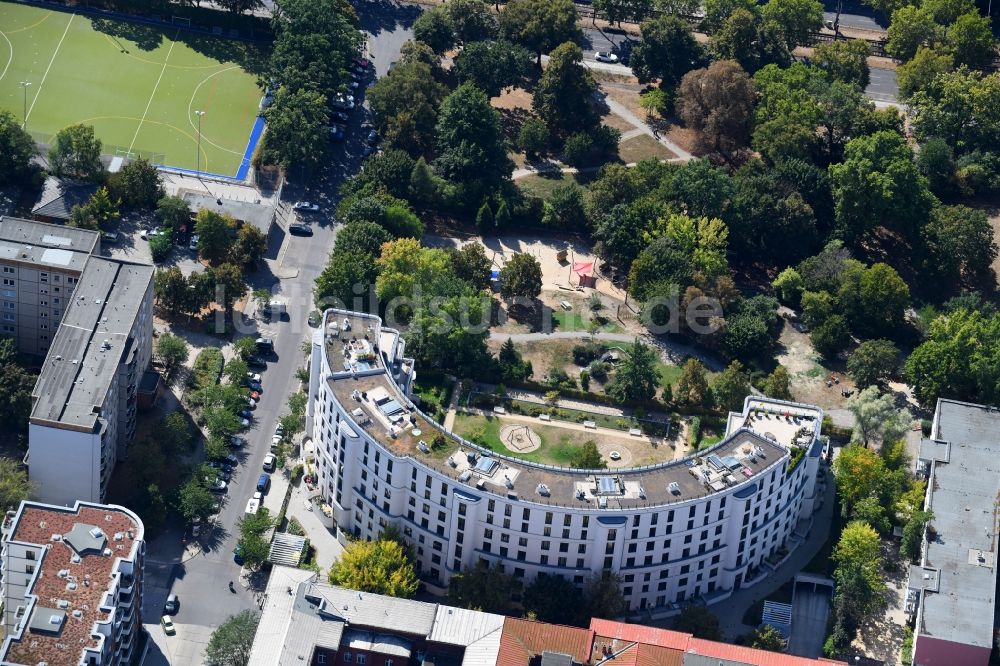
(193, 245)
(257, 494)
(253, 377)
(605, 56)
(306, 205)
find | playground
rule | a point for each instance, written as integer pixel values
(141, 87)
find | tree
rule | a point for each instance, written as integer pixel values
(873, 362)
(391, 213)
(692, 385)
(874, 300)
(797, 19)
(346, 281)
(860, 590)
(472, 20)
(913, 535)
(484, 220)
(789, 284)
(173, 211)
(844, 60)
(936, 162)
(717, 11)
(521, 277)
(195, 500)
(76, 153)
(16, 149)
(297, 128)
(492, 66)
(236, 370)
(513, 368)
(483, 588)
(698, 620)
(137, 184)
(731, 387)
(752, 43)
(232, 641)
(565, 207)
(603, 596)
(910, 28)
(249, 247)
(616, 11)
(876, 418)
(472, 151)
(831, 337)
(717, 102)
(919, 72)
(587, 457)
(767, 638)
(405, 107)
(229, 285)
(362, 237)
(502, 217)
(878, 184)
(174, 434)
(540, 25)
(213, 232)
(562, 96)
(433, 27)
(960, 243)
(961, 107)
(971, 40)
(172, 352)
(860, 473)
(241, 6)
(424, 186)
(472, 265)
(655, 102)
(533, 137)
(380, 567)
(451, 335)
(14, 484)
(668, 51)
(957, 358)
(553, 599)
(776, 384)
(96, 213)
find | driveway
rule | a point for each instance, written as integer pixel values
(809, 613)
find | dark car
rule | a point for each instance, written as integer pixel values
(341, 116)
(256, 362)
(300, 230)
(372, 138)
(265, 344)
(238, 555)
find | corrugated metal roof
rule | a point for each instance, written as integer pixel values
(287, 549)
(275, 635)
(364, 609)
(524, 639)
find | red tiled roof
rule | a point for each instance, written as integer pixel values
(637, 633)
(673, 643)
(521, 640)
(750, 655)
(36, 526)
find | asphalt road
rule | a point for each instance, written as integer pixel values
(882, 86)
(201, 582)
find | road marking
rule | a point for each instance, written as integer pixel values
(46, 74)
(153, 94)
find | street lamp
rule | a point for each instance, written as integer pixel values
(198, 157)
(24, 112)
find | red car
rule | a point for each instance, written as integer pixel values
(254, 395)
(361, 62)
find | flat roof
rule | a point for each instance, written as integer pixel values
(260, 215)
(91, 342)
(46, 245)
(962, 494)
(68, 582)
(367, 391)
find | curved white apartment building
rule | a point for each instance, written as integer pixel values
(699, 527)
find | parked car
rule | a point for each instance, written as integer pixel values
(218, 486)
(256, 362)
(263, 483)
(245, 414)
(372, 138)
(300, 230)
(238, 555)
(237, 442)
(254, 395)
(315, 318)
(172, 605)
(146, 234)
(258, 496)
(193, 245)
(251, 402)
(337, 133)
(245, 423)
(255, 386)
(232, 459)
(168, 625)
(605, 56)
(110, 237)
(306, 205)
(265, 344)
(341, 116)
(279, 430)
(360, 62)
(269, 461)
(253, 376)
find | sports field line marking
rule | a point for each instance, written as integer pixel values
(9, 60)
(46, 74)
(153, 94)
(190, 114)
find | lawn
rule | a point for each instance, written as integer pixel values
(574, 321)
(542, 184)
(558, 445)
(643, 147)
(138, 86)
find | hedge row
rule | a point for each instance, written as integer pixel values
(207, 368)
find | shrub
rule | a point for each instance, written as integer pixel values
(694, 432)
(295, 527)
(533, 137)
(207, 368)
(578, 149)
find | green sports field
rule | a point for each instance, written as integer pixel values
(137, 85)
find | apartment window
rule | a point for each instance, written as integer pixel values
(8, 316)
(43, 277)
(361, 659)
(8, 270)
(347, 657)
(321, 659)
(29, 555)
(29, 569)
(8, 282)
(8, 305)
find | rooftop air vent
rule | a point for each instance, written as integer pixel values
(78, 614)
(96, 533)
(465, 476)
(543, 490)
(675, 488)
(57, 537)
(62, 603)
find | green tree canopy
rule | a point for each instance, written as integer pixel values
(587, 457)
(405, 107)
(844, 60)
(540, 25)
(16, 149)
(698, 620)
(137, 184)
(213, 231)
(668, 51)
(433, 27)
(521, 277)
(492, 65)
(232, 640)
(76, 153)
(380, 567)
(562, 96)
(797, 19)
(873, 362)
(484, 588)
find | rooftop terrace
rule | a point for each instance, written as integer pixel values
(72, 579)
(357, 348)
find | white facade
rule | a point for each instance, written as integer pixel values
(667, 546)
(84, 413)
(72, 585)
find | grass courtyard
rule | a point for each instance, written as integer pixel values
(138, 86)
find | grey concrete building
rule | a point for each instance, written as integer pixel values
(40, 265)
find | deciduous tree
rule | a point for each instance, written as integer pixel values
(484, 588)
(540, 25)
(137, 184)
(521, 277)
(232, 641)
(667, 52)
(213, 232)
(844, 60)
(16, 149)
(717, 102)
(380, 567)
(562, 96)
(873, 362)
(76, 153)
(492, 65)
